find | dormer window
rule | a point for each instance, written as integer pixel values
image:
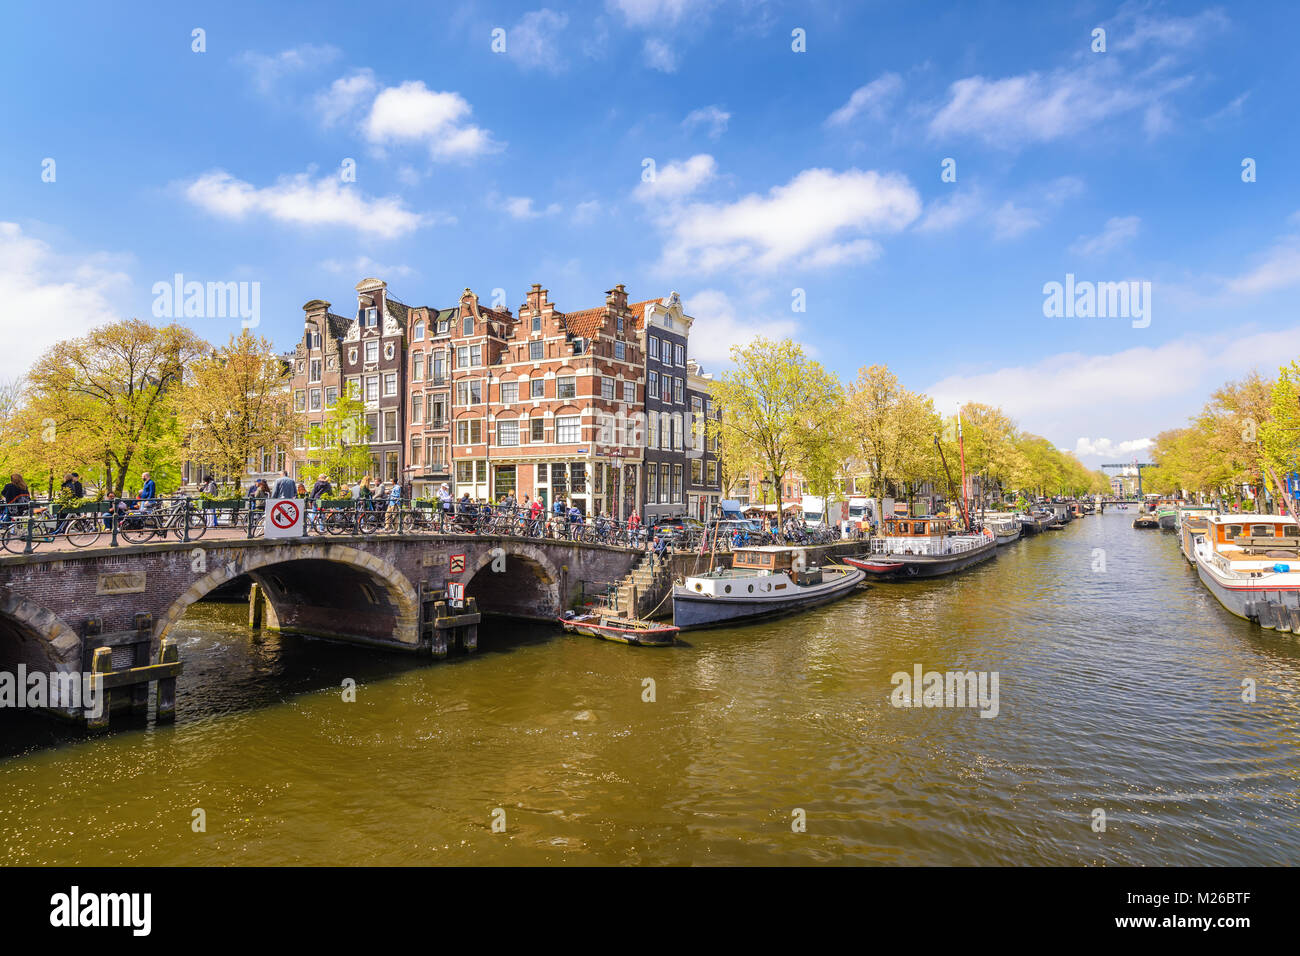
(418, 333)
(467, 325)
(537, 323)
(372, 316)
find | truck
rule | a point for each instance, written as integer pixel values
(815, 510)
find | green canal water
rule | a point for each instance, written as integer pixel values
(1118, 689)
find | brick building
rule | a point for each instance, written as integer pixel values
(428, 414)
(374, 369)
(317, 380)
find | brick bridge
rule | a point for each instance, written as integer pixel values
(369, 589)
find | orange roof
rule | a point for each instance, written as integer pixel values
(585, 323)
(638, 312)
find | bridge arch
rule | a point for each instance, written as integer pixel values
(517, 579)
(329, 590)
(36, 637)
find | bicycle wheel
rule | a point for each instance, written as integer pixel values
(367, 522)
(82, 531)
(14, 538)
(197, 522)
(138, 529)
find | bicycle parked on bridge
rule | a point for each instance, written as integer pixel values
(25, 522)
(141, 527)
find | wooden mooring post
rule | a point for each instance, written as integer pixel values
(444, 628)
(120, 671)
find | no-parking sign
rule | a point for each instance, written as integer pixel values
(284, 519)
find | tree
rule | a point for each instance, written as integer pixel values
(1281, 433)
(892, 430)
(779, 408)
(334, 445)
(234, 403)
(109, 394)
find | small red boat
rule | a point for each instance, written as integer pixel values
(625, 630)
(875, 564)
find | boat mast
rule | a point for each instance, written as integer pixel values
(961, 444)
(952, 491)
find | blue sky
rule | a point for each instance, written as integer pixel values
(774, 171)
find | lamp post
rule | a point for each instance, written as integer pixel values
(767, 486)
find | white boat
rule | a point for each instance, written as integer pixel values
(924, 547)
(1193, 520)
(1006, 527)
(762, 582)
(1251, 564)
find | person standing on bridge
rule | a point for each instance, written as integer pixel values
(148, 492)
(394, 506)
(285, 487)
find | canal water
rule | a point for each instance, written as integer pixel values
(1120, 690)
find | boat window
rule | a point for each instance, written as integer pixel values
(904, 527)
(728, 589)
(1231, 531)
(1261, 531)
(1291, 531)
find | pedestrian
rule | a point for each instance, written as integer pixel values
(16, 489)
(285, 487)
(394, 506)
(208, 488)
(321, 488)
(661, 550)
(148, 492)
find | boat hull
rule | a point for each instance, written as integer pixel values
(693, 611)
(1274, 608)
(1168, 522)
(916, 566)
(654, 636)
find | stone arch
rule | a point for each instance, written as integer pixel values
(530, 585)
(41, 637)
(395, 586)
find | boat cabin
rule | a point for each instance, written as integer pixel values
(767, 558)
(916, 527)
(1256, 534)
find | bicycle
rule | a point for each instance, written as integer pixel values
(45, 528)
(139, 527)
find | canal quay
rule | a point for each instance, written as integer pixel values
(1119, 689)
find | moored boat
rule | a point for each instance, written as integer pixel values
(1166, 511)
(1193, 520)
(611, 627)
(1006, 527)
(762, 582)
(1145, 520)
(1251, 564)
(922, 548)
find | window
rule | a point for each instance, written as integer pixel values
(437, 409)
(313, 374)
(464, 473)
(652, 385)
(652, 430)
(390, 425)
(537, 388)
(509, 392)
(697, 471)
(677, 432)
(443, 325)
(372, 316)
(620, 350)
(354, 388)
(418, 335)
(417, 367)
(654, 348)
(438, 368)
(538, 430)
(415, 451)
(607, 389)
(299, 400)
(665, 486)
(677, 391)
(390, 383)
(462, 357)
(417, 410)
(680, 354)
(618, 324)
(577, 477)
(568, 430)
(331, 396)
(467, 325)
(475, 356)
(475, 392)
(537, 323)
(462, 393)
(535, 351)
(566, 387)
(713, 473)
(314, 400)
(629, 392)
(469, 431)
(372, 428)
(677, 483)
(372, 388)
(507, 433)
(372, 350)
(651, 484)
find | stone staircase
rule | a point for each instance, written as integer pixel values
(644, 588)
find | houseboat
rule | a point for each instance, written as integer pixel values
(1193, 520)
(762, 582)
(1166, 511)
(1005, 526)
(922, 548)
(1251, 564)
(1034, 522)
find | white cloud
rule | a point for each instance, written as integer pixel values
(1279, 269)
(1105, 448)
(676, 180)
(299, 200)
(870, 100)
(712, 116)
(1118, 230)
(58, 296)
(951, 211)
(586, 212)
(266, 70)
(1069, 394)
(365, 266)
(521, 207)
(644, 13)
(1011, 220)
(346, 96)
(414, 113)
(820, 217)
(1167, 31)
(719, 326)
(659, 55)
(533, 41)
